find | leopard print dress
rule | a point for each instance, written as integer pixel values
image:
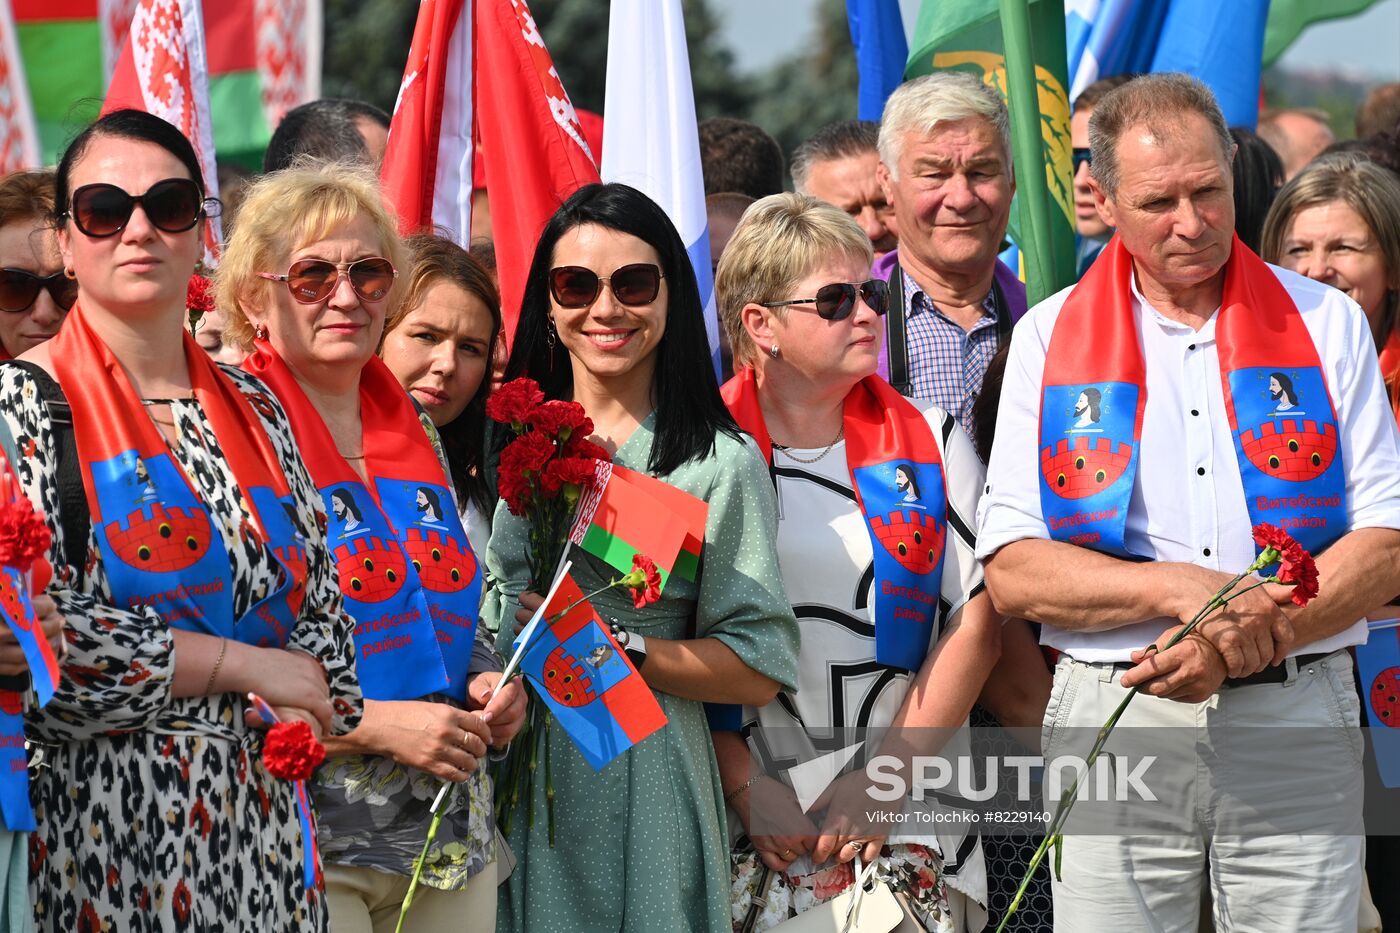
(155, 813)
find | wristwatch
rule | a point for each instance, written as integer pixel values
(633, 645)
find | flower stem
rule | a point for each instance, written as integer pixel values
(1053, 832)
(438, 808)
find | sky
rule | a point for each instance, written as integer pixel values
(759, 32)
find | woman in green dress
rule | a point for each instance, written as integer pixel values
(612, 319)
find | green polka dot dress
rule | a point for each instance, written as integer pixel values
(641, 845)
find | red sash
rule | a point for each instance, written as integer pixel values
(406, 568)
(159, 547)
(897, 473)
(1094, 393)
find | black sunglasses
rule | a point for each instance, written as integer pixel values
(1082, 156)
(173, 205)
(577, 287)
(20, 289)
(835, 302)
(313, 280)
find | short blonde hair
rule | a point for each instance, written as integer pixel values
(779, 241)
(284, 211)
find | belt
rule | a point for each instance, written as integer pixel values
(1273, 674)
(1276, 673)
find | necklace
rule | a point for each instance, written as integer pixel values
(834, 441)
(348, 457)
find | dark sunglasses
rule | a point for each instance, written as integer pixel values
(835, 302)
(313, 280)
(1081, 156)
(173, 205)
(20, 289)
(577, 287)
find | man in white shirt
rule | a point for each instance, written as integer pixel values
(1161, 177)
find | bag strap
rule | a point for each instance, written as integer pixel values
(897, 334)
(74, 514)
(759, 899)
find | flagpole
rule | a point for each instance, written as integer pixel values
(1028, 149)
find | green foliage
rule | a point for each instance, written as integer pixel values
(366, 46)
(799, 95)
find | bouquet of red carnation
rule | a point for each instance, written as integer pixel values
(545, 469)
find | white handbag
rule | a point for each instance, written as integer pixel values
(868, 906)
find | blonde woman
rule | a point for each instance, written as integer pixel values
(851, 459)
(312, 270)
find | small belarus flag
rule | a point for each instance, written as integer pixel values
(628, 513)
(585, 679)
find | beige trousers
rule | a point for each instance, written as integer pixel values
(1223, 780)
(363, 900)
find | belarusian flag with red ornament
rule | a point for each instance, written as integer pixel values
(264, 57)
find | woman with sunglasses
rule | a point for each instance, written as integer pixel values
(35, 292)
(307, 279)
(611, 319)
(439, 345)
(190, 568)
(878, 497)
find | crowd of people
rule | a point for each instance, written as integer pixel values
(258, 498)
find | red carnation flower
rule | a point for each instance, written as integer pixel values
(199, 297)
(644, 581)
(24, 536)
(1266, 536)
(560, 420)
(1297, 569)
(291, 751)
(578, 445)
(575, 470)
(522, 462)
(1295, 565)
(512, 403)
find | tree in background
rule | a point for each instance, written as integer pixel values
(799, 95)
(366, 46)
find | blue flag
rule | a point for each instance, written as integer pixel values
(877, 32)
(1222, 43)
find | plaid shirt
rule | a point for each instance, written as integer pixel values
(946, 363)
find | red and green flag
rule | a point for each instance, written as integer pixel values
(263, 59)
(629, 513)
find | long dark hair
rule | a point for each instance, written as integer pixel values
(1258, 173)
(689, 411)
(436, 260)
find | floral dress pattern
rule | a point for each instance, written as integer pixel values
(155, 813)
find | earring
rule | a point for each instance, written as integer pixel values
(68, 273)
(260, 331)
(551, 336)
(774, 351)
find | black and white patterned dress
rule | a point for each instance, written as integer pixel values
(843, 692)
(155, 813)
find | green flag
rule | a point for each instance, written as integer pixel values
(969, 36)
(1288, 18)
(63, 51)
